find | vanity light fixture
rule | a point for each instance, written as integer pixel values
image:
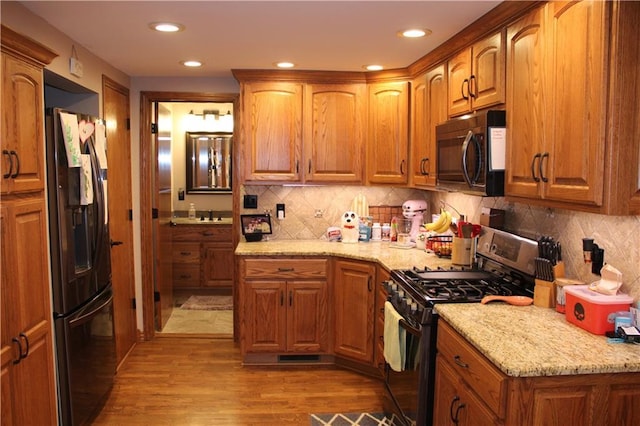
(414, 33)
(191, 64)
(166, 27)
(373, 67)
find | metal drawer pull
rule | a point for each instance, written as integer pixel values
(185, 253)
(286, 269)
(458, 361)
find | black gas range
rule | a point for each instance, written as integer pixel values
(505, 266)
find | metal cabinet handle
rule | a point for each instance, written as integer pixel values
(457, 418)
(453, 401)
(281, 298)
(466, 81)
(309, 167)
(402, 167)
(427, 162)
(185, 253)
(17, 342)
(540, 167)
(297, 168)
(15, 155)
(459, 362)
(472, 87)
(533, 167)
(286, 269)
(369, 286)
(290, 298)
(115, 243)
(8, 174)
(26, 341)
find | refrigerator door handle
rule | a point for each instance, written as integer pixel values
(84, 315)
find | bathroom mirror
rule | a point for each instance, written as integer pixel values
(208, 165)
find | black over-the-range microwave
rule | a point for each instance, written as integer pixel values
(472, 153)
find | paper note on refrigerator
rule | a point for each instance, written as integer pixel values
(71, 137)
(101, 143)
(86, 183)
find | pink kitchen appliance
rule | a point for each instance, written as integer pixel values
(414, 210)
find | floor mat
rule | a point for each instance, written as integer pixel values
(208, 303)
(349, 419)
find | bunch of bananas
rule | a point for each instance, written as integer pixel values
(442, 224)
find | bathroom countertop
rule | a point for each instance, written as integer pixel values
(187, 221)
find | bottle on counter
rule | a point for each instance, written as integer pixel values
(192, 211)
(376, 232)
(386, 232)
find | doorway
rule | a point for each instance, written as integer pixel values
(154, 222)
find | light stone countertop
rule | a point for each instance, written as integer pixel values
(521, 341)
(374, 251)
(532, 341)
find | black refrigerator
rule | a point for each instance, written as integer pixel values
(80, 263)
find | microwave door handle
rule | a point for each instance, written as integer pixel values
(465, 150)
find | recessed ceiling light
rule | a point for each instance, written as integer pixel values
(373, 67)
(191, 64)
(166, 27)
(414, 33)
(285, 64)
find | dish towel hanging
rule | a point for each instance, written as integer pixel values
(394, 338)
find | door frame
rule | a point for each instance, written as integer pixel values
(147, 165)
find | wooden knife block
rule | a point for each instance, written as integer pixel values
(544, 293)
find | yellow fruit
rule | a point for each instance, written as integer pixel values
(438, 223)
(445, 226)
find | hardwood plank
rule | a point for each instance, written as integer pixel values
(201, 381)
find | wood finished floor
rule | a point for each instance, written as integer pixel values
(201, 381)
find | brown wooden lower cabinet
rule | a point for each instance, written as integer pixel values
(470, 390)
(202, 257)
(284, 305)
(354, 285)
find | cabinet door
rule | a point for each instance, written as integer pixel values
(272, 131)
(217, 270)
(354, 298)
(388, 143)
(477, 76)
(575, 128)
(28, 387)
(459, 73)
(307, 321)
(455, 403)
(429, 108)
(22, 167)
(264, 316)
(334, 131)
(488, 78)
(525, 103)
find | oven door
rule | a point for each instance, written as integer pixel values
(401, 398)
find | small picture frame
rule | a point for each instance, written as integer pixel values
(254, 226)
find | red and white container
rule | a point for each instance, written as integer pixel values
(591, 310)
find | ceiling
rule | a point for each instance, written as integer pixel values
(225, 35)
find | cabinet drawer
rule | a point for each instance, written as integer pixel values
(285, 268)
(186, 275)
(485, 380)
(202, 233)
(186, 253)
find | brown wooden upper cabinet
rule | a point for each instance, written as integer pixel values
(335, 117)
(297, 132)
(272, 131)
(477, 76)
(560, 149)
(388, 142)
(428, 109)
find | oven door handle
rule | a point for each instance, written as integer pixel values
(410, 329)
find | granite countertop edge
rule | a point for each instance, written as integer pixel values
(524, 341)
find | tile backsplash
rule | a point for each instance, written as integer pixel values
(310, 210)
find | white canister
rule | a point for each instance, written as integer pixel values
(386, 232)
(376, 232)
